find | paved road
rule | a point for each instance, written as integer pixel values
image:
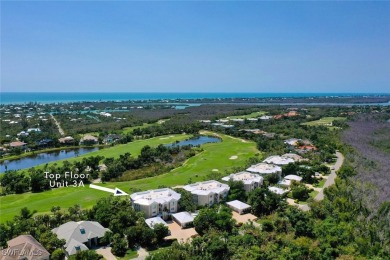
(58, 125)
(332, 176)
(303, 207)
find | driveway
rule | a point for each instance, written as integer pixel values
(142, 254)
(303, 207)
(106, 253)
(332, 176)
(182, 235)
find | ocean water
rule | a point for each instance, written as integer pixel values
(63, 97)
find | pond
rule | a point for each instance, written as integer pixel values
(197, 141)
(42, 158)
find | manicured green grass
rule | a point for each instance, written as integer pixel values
(10, 205)
(324, 121)
(313, 194)
(127, 130)
(134, 148)
(321, 183)
(214, 156)
(158, 250)
(251, 115)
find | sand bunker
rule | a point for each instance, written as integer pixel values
(233, 157)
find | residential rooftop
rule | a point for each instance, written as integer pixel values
(154, 221)
(277, 190)
(150, 196)
(278, 160)
(245, 177)
(203, 188)
(183, 217)
(264, 168)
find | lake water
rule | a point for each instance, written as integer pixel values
(197, 141)
(42, 158)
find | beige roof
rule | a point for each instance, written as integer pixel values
(89, 137)
(17, 144)
(26, 245)
(66, 139)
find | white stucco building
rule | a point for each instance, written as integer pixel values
(287, 180)
(265, 168)
(155, 202)
(278, 160)
(208, 192)
(251, 180)
(294, 156)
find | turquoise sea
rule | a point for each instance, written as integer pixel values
(56, 97)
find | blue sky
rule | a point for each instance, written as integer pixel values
(195, 46)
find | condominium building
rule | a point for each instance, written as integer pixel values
(251, 180)
(265, 168)
(208, 192)
(155, 202)
(279, 160)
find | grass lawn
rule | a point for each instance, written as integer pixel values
(313, 194)
(251, 115)
(324, 121)
(160, 249)
(214, 156)
(321, 183)
(127, 130)
(134, 148)
(130, 254)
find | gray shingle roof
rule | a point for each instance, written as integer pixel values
(77, 233)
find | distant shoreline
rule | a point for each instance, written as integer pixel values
(8, 98)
